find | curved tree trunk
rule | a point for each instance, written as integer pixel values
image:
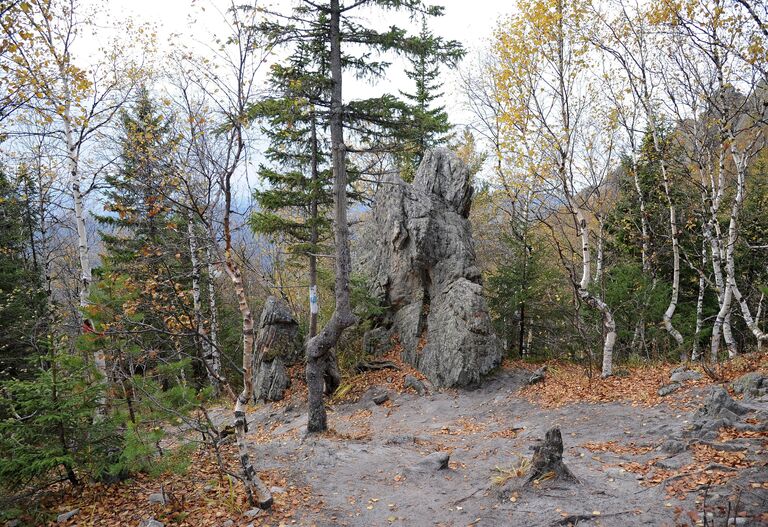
(672, 307)
(730, 268)
(257, 492)
(592, 300)
(319, 359)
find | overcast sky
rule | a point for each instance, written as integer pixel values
(468, 21)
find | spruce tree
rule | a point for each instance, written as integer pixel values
(297, 196)
(22, 296)
(426, 123)
(143, 246)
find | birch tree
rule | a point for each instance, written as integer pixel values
(77, 103)
(217, 94)
(542, 78)
(715, 63)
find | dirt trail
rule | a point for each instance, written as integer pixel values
(365, 473)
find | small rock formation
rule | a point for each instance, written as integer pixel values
(412, 382)
(685, 375)
(380, 399)
(432, 463)
(278, 345)
(753, 384)
(538, 375)
(157, 498)
(669, 388)
(673, 446)
(417, 251)
(548, 459)
(66, 516)
(719, 410)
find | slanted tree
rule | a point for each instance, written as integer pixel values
(374, 121)
(217, 108)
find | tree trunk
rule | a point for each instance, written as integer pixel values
(214, 313)
(696, 352)
(73, 158)
(318, 347)
(258, 494)
(203, 343)
(314, 305)
(757, 320)
(521, 336)
(740, 160)
(593, 301)
(672, 307)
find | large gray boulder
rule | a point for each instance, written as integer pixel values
(418, 254)
(278, 345)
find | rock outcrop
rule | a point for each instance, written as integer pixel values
(418, 254)
(278, 345)
(753, 385)
(719, 410)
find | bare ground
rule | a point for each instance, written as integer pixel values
(365, 472)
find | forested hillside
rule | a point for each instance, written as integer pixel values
(282, 270)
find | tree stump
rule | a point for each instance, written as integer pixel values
(547, 462)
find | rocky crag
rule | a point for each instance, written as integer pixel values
(278, 345)
(417, 252)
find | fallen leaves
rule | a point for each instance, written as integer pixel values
(617, 448)
(204, 496)
(569, 383)
(730, 434)
(507, 433)
(707, 454)
(354, 386)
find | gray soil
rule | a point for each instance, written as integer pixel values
(377, 480)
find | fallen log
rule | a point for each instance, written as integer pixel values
(375, 365)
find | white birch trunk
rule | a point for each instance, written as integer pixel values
(730, 270)
(672, 307)
(255, 489)
(203, 341)
(599, 262)
(73, 161)
(592, 300)
(643, 218)
(696, 352)
(214, 314)
(757, 320)
(740, 160)
(746, 313)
